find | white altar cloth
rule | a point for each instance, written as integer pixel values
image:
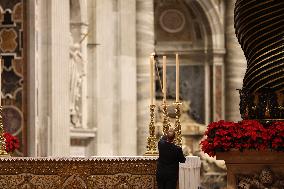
(189, 173)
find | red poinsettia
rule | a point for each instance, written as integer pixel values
(276, 133)
(220, 137)
(223, 136)
(12, 142)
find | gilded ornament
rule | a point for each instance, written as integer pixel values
(151, 139)
(178, 137)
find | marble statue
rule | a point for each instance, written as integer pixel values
(77, 74)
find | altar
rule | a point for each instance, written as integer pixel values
(80, 173)
(116, 172)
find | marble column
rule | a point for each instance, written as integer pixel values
(126, 57)
(33, 24)
(106, 70)
(58, 77)
(144, 48)
(235, 63)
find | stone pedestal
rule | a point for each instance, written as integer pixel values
(254, 169)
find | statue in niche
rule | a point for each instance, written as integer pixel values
(77, 75)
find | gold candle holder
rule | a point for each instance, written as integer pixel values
(166, 121)
(3, 152)
(151, 139)
(178, 138)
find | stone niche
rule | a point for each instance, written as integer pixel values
(254, 169)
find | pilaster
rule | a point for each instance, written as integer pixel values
(144, 48)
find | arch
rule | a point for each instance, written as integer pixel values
(213, 25)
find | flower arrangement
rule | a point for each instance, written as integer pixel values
(12, 142)
(224, 136)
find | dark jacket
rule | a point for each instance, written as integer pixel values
(169, 157)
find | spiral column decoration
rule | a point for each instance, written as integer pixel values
(259, 26)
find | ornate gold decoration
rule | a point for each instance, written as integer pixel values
(151, 139)
(80, 173)
(166, 120)
(3, 152)
(74, 181)
(267, 111)
(178, 138)
(121, 180)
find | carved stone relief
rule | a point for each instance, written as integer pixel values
(172, 20)
(122, 180)
(266, 179)
(79, 173)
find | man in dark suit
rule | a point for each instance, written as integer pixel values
(168, 163)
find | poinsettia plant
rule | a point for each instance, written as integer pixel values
(276, 134)
(12, 142)
(223, 136)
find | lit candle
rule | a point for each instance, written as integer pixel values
(177, 78)
(152, 79)
(165, 78)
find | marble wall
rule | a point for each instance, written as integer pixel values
(121, 36)
(191, 89)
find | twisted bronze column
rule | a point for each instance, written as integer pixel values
(259, 28)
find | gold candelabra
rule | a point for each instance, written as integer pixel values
(3, 152)
(178, 138)
(166, 120)
(167, 124)
(151, 139)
